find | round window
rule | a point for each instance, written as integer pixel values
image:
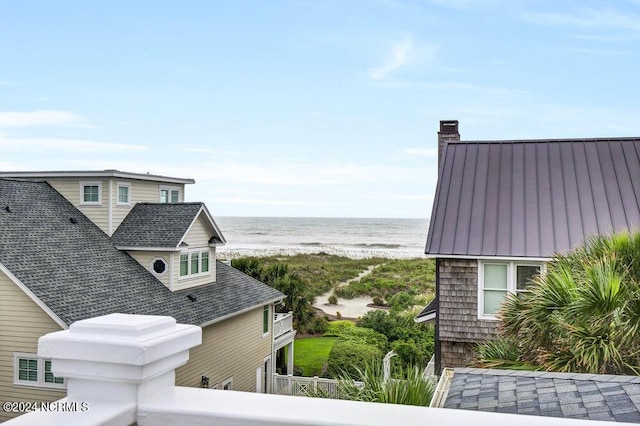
(159, 266)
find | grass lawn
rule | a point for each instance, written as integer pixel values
(312, 353)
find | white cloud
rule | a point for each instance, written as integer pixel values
(63, 145)
(603, 18)
(399, 56)
(39, 118)
(269, 202)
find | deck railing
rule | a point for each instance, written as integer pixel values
(120, 370)
(306, 386)
(282, 324)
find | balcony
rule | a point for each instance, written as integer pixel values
(282, 324)
(119, 370)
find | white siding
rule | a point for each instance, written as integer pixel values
(22, 322)
(232, 348)
(197, 239)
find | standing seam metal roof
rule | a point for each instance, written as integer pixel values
(533, 198)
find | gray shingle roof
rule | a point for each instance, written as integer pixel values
(533, 198)
(155, 225)
(75, 270)
(428, 312)
(585, 396)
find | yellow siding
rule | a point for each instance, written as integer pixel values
(141, 192)
(70, 189)
(199, 234)
(232, 348)
(22, 322)
(197, 239)
(146, 257)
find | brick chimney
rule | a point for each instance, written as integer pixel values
(448, 133)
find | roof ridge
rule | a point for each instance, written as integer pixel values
(505, 141)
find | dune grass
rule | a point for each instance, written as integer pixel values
(311, 354)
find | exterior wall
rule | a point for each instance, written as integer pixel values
(232, 348)
(197, 239)
(146, 257)
(141, 192)
(458, 311)
(70, 189)
(22, 322)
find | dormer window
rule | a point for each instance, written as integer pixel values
(91, 193)
(169, 195)
(194, 263)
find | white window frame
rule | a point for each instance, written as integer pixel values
(511, 280)
(91, 203)
(123, 185)
(200, 273)
(169, 190)
(40, 383)
(227, 382)
(153, 271)
(268, 322)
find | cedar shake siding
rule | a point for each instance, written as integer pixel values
(458, 311)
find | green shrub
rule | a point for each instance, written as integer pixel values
(346, 356)
(400, 301)
(365, 335)
(336, 328)
(319, 325)
(333, 300)
(378, 301)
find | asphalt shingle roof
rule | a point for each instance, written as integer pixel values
(72, 266)
(533, 198)
(430, 309)
(155, 225)
(583, 396)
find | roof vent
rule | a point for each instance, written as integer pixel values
(191, 297)
(73, 220)
(7, 209)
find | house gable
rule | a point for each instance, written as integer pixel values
(515, 204)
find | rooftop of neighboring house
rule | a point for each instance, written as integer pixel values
(140, 227)
(110, 173)
(65, 263)
(531, 198)
(570, 395)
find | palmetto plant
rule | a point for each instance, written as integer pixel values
(407, 386)
(583, 315)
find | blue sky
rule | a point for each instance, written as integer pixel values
(306, 108)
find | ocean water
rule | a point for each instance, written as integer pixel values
(352, 237)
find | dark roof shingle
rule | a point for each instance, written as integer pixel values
(155, 225)
(72, 266)
(533, 198)
(598, 397)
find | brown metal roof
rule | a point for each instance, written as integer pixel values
(533, 198)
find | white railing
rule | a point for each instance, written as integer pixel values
(306, 386)
(120, 370)
(282, 323)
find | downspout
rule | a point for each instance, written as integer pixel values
(437, 348)
(110, 209)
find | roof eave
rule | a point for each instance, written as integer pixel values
(96, 174)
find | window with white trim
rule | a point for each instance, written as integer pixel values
(496, 279)
(265, 320)
(228, 384)
(91, 193)
(30, 370)
(194, 263)
(124, 194)
(169, 195)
